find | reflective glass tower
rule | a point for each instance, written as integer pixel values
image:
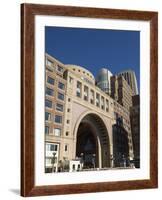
(103, 80)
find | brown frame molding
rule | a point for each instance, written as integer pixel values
(28, 12)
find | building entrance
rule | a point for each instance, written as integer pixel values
(93, 143)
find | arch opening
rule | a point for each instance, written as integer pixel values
(93, 142)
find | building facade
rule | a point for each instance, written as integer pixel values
(135, 128)
(121, 91)
(130, 77)
(80, 120)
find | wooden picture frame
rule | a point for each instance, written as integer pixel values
(28, 13)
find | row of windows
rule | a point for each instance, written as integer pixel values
(58, 67)
(90, 94)
(48, 103)
(51, 147)
(57, 118)
(50, 92)
(59, 107)
(55, 147)
(52, 81)
(56, 131)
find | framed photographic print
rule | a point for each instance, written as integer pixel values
(89, 99)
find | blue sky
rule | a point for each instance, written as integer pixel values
(93, 49)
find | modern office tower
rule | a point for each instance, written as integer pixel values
(121, 91)
(103, 80)
(130, 77)
(122, 136)
(135, 128)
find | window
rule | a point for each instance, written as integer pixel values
(48, 161)
(58, 119)
(97, 100)
(67, 133)
(53, 147)
(59, 68)
(60, 96)
(70, 79)
(69, 99)
(49, 91)
(85, 93)
(49, 63)
(102, 103)
(73, 166)
(92, 97)
(50, 80)
(59, 107)
(61, 86)
(66, 147)
(47, 116)
(78, 92)
(107, 105)
(68, 121)
(57, 131)
(48, 69)
(68, 110)
(46, 129)
(48, 103)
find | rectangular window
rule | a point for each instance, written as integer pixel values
(50, 80)
(61, 86)
(60, 96)
(59, 107)
(85, 93)
(59, 68)
(49, 91)
(92, 97)
(70, 79)
(47, 130)
(79, 87)
(53, 147)
(58, 119)
(47, 116)
(102, 103)
(48, 103)
(49, 63)
(47, 147)
(97, 100)
(57, 131)
(66, 147)
(107, 105)
(48, 161)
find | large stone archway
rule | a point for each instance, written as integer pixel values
(92, 141)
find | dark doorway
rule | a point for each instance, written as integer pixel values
(93, 142)
(87, 146)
